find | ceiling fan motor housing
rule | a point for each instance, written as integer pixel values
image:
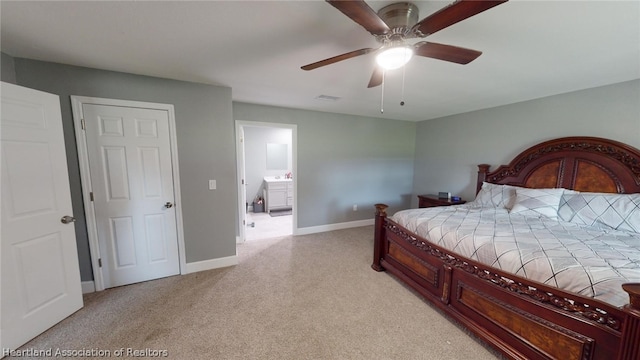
(400, 17)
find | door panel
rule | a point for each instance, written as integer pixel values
(150, 162)
(115, 169)
(123, 240)
(131, 176)
(35, 255)
(40, 273)
(34, 197)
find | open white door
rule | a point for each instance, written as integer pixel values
(40, 277)
(242, 186)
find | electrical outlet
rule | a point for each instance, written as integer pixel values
(212, 185)
(355, 207)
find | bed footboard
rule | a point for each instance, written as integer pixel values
(519, 319)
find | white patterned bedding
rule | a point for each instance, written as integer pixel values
(578, 258)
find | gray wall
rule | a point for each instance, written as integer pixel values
(448, 149)
(256, 139)
(344, 160)
(205, 138)
(8, 71)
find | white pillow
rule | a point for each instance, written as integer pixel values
(602, 210)
(495, 195)
(537, 202)
(490, 195)
(509, 195)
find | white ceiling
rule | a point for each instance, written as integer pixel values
(531, 49)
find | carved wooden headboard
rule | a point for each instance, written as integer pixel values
(580, 163)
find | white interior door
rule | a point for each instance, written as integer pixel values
(40, 272)
(132, 183)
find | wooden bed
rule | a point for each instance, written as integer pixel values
(521, 318)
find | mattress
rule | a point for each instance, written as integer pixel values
(581, 259)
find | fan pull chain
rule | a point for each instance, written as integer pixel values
(404, 68)
(382, 93)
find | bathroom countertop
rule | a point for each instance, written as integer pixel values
(276, 178)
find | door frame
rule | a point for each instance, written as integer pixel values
(240, 124)
(85, 176)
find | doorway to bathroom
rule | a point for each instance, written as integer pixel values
(266, 180)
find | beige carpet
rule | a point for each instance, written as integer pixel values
(294, 297)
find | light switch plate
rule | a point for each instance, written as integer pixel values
(212, 185)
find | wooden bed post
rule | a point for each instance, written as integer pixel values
(483, 170)
(379, 235)
(630, 342)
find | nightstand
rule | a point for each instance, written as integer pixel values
(425, 201)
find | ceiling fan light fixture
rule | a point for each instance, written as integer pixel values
(394, 57)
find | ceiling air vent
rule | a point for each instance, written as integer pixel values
(327, 98)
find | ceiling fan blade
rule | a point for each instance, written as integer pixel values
(360, 12)
(454, 13)
(377, 77)
(446, 52)
(337, 58)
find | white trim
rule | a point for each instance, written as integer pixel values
(85, 176)
(331, 227)
(211, 264)
(294, 170)
(88, 287)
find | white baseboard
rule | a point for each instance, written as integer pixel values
(331, 227)
(211, 264)
(88, 287)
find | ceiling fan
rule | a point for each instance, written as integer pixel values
(394, 24)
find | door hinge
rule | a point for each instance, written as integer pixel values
(91, 196)
(83, 124)
(99, 262)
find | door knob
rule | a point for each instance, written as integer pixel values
(67, 219)
(168, 205)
